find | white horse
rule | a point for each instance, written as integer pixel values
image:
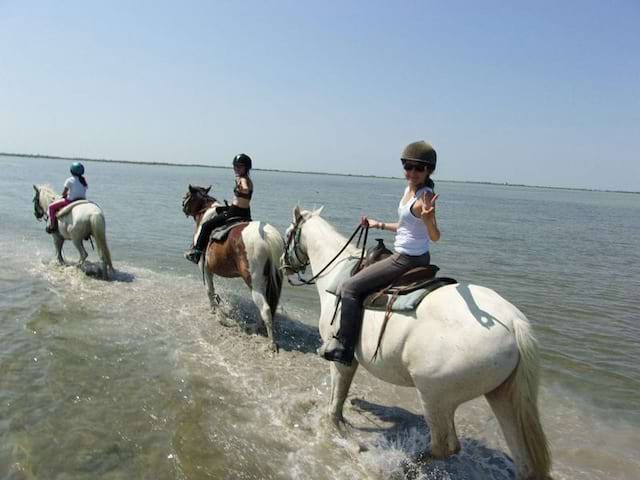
(81, 223)
(463, 341)
(251, 251)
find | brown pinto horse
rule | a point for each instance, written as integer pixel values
(252, 251)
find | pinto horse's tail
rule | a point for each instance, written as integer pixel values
(515, 403)
(98, 230)
(271, 268)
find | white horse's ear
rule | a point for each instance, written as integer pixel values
(297, 216)
(35, 188)
(319, 210)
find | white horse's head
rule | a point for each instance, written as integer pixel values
(295, 258)
(43, 196)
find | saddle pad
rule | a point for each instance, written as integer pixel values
(343, 274)
(406, 302)
(63, 211)
(220, 234)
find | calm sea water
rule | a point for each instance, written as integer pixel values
(134, 379)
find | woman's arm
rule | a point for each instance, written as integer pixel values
(425, 207)
(243, 185)
(65, 192)
(392, 227)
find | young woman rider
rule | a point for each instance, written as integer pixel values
(75, 188)
(240, 208)
(415, 228)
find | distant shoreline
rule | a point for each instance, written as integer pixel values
(200, 165)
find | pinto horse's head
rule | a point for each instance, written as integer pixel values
(196, 200)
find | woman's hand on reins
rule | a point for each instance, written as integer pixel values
(370, 222)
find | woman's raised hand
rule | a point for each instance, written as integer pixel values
(428, 204)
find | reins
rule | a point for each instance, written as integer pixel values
(359, 229)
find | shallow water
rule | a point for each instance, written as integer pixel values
(134, 379)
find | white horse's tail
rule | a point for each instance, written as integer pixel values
(521, 390)
(98, 230)
(272, 267)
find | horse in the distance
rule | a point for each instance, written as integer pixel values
(77, 223)
(252, 251)
(462, 341)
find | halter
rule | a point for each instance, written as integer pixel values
(293, 259)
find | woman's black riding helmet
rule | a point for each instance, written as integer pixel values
(420, 152)
(242, 159)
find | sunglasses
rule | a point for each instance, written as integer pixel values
(413, 166)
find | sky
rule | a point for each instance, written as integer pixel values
(536, 93)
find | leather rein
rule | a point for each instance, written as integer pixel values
(294, 237)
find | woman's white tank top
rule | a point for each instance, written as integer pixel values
(412, 237)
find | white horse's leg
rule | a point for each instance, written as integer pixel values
(341, 378)
(83, 253)
(214, 300)
(260, 299)
(440, 418)
(58, 241)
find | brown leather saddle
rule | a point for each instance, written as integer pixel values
(420, 278)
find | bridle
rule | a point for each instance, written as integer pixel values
(295, 260)
(186, 201)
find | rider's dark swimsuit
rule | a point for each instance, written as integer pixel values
(224, 214)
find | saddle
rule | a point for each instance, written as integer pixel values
(404, 294)
(63, 211)
(221, 233)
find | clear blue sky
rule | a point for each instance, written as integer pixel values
(544, 92)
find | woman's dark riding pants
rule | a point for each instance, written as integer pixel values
(217, 221)
(368, 280)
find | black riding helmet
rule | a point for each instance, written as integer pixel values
(420, 152)
(242, 159)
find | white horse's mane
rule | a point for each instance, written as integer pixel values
(47, 191)
(330, 234)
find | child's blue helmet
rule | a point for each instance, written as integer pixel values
(77, 169)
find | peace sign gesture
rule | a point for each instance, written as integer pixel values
(428, 204)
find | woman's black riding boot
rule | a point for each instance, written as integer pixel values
(340, 348)
(193, 255)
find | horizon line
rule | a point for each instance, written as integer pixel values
(201, 165)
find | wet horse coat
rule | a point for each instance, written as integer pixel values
(462, 341)
(251, 251)
(76, 223)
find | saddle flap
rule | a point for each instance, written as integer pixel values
(220, 234)
(395, 299)
(63, 211)
(414, 278)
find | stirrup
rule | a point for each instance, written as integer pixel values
(51, 229)
(335, 350)
(193, 255)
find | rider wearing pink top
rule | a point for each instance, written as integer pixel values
(75, 188)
